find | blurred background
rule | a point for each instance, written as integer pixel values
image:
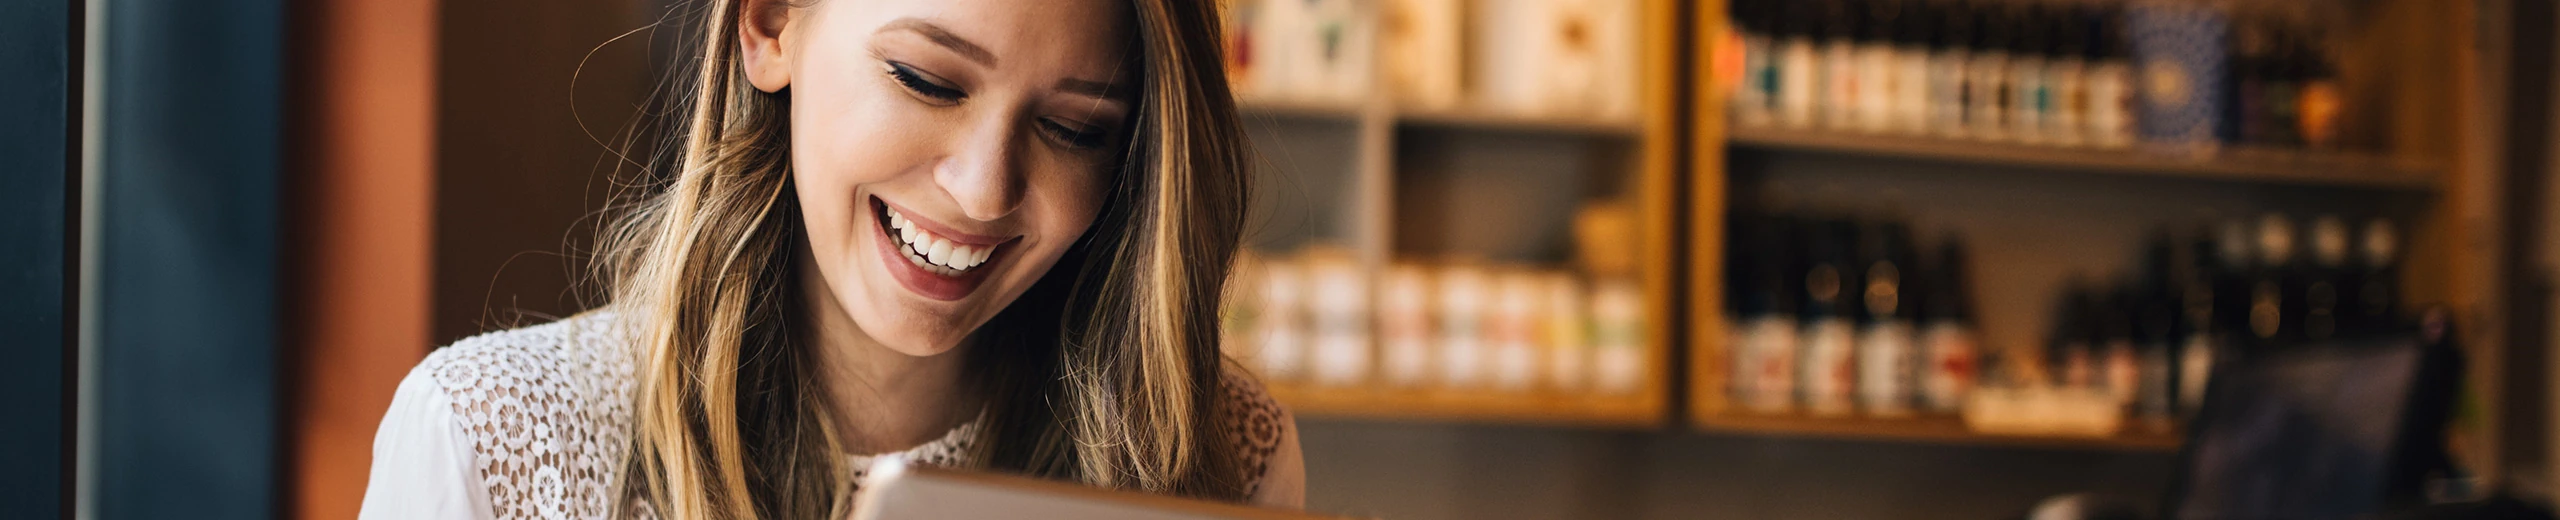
(1924, 259)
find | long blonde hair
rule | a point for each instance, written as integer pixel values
(1104, 372)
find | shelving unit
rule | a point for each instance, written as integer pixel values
(2414, 113)
(1930, 430)
(1639, 154)
(2292, 167)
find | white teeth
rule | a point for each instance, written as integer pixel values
(933, 252)
(940, 254)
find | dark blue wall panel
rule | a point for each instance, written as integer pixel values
(36, 73)
(188, 409)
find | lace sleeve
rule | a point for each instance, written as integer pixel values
(423, 466)
(1266, 438)
(544, 410)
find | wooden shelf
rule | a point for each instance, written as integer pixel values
(1443, 119)
(1482, 120)
(1287, 109)
(1926, 430)
(1632, 411)
(2237, 163)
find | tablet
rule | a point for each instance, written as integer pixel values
(898, 491)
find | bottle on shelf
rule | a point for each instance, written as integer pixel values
(1567, 333)
(2200, 324)
(1461, 293)
(2071, 350)
(1879, 80)
(2321, 98)
(2319, 313)
(1989, 90)
(1338, 297)
(2156, 310)
(2066, 76)
(1840, 35)
(1798, 60)
(1912, 58)
(2110, 87)
(1518, 298)
(2119, 364)
(1762, 366)
(2376, 282)
(1755, 95)
(2274, 285)
(1950, 343)
(2030, 96)
(1950, 84)
(1887, 357)
(1826, 376)
(1405, 326)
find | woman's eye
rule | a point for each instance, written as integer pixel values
(1077, 136)
(916, 82)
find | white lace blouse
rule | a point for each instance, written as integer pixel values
(534, 423)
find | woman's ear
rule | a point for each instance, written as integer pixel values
(763, 25)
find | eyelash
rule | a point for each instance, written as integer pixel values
(1078, 139)
(915, 82)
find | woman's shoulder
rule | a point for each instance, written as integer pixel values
(586, 355)
(546, 410)
(1262, 432)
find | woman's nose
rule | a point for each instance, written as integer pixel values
(984, 170)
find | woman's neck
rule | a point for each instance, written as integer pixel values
(881, 400)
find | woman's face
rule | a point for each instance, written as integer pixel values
(945, 152)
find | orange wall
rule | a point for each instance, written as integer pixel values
(359, 233)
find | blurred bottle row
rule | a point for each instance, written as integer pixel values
(1535, 57)
(2181, 75)
(1319, 317)
(1840, 317)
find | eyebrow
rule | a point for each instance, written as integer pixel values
(1086, 87)
(945, 38)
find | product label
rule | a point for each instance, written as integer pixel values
(1951, 371)
(1829, 374)
(1766, 364)
(1887, 377)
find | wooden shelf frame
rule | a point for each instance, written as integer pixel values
(1456, 119)
(1652, 142)
(2432, 132)
(1925, 430)
(2291, 167)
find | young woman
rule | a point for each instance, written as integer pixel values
(981, 233)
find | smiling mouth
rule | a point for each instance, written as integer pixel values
(932, 253)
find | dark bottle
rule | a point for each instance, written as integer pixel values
(2321, 99)
(1840, 34)
(1755, 94)
(2070, 349)
(2200, 326)
(1826, 376)
(2279, 121)
(1797, 55)
(2235, 261)
(2275, 283)
(2156, 339)
(2322, 279)
(1888, 359)
(2111, 90)
(2031, 95)
(1950, 90)
(2119, 364)
(2376, 280)
(2242, 119)
(1761, 377)
(1987, 73)
(1950, 345)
